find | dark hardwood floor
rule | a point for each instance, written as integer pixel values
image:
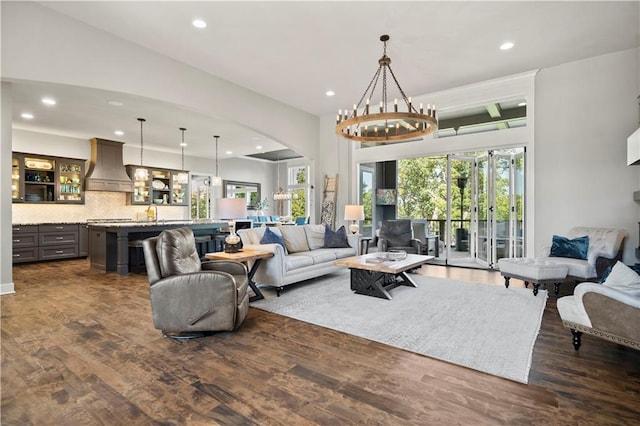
(79, 348)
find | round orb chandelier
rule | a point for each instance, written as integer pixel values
(363, 124)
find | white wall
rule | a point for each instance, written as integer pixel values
(585, 111)
(42, 45)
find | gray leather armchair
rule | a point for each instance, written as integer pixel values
(398, 235)
(190, 297)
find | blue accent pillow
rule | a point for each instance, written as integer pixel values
(271, 237)
(576, 248)
(336, 239)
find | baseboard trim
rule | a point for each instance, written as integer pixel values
(7, 288)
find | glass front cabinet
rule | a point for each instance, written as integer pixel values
(141, 189)
(70, 181)
(17, 178)
(159, 186)
(179, 188)
(40, 179)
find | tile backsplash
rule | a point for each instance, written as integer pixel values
(98, 205)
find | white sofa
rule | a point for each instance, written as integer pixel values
(605, 248)
(305, 257)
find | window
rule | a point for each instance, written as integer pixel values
(200, 197)
(298, 178)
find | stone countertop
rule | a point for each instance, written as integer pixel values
(149, 223)
(125, 223)
(48, 223)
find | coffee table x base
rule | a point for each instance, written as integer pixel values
(378, 284)
(375, 277)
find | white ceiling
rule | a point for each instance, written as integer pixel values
(295, 51)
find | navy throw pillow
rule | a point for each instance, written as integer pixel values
(576, 248)
(271, 237)
(336, 239)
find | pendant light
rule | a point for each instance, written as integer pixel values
(216, 180)
(141, 172)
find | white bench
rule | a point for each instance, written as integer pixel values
(536, 271)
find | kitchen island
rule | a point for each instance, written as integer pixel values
(109, 241)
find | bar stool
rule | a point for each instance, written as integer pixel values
(136, 257)
(219, 241)
(202, 245)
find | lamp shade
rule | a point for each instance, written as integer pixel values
(353, 212)
(230, 208)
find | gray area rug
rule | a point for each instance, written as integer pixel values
(485, 327)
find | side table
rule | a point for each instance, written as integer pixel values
(245, 256)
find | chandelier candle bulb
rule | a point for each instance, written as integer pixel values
(421, 109)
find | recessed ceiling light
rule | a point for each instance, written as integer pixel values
(119, 132)
(115, 103)
(183, 144)
(506, 45)
(27, 116)
(199, 23)
(228, 152)
(258, 146)
(48, 101)
(330, 93)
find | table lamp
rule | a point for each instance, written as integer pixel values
(230, 209)
(354, 213)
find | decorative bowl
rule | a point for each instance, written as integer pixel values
(397, 254)
(157, 201)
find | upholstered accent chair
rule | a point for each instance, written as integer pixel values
(605, 249)
(190, 298)
(398, 235)
(430, 243)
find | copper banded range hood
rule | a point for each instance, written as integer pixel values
(106, 169)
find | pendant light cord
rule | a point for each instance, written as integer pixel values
(141, 120)
(216, 137)
(182, 145)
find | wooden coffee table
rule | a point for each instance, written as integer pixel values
(245, 256)
(373, 278)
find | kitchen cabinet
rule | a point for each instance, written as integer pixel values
(25, 243)
(83, 240)
(17, 178)
(39, 178)
(44, 179)
(70, 181)
(32, 243)
(160, 187)
(179, 188)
